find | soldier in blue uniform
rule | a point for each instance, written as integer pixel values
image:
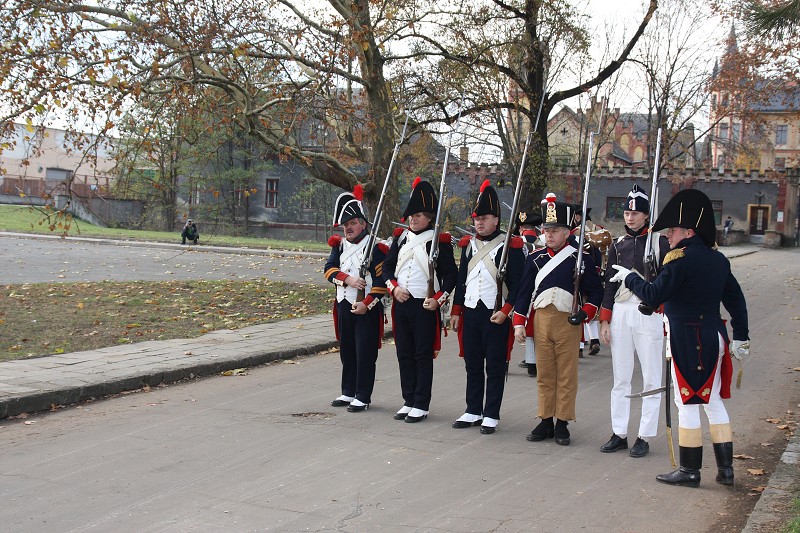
(629, 331)
(485, 334)
(695, 279)
(526, 227)
(358, 324)
(416, 317)
(548, 281)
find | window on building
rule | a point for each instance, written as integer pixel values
(271, 194)
(736, 131)
(725, 101)
(615, 205)
(717, 205)
(713, 101)
(780, 163)
(781, 134)
(723, 131)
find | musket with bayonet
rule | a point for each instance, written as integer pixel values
(433, 254)
(501, 268)
(577, 316)
(649, 263)
(363, 270)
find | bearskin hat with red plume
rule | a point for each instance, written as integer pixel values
(487, 202)
(422, 200)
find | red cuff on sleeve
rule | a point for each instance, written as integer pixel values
(367, 300)
(341, 276)
(605, 315)
(457, 310)
(590, 310)
(507, 308)
(519, 320)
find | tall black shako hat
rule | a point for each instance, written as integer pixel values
(348, 206)
(422, 200)
(529, 217)
(690, 209)
(577, 209)
(555, 213)
(638, 201)
(487, 202)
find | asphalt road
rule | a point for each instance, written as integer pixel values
(26, 260)
(265, 451)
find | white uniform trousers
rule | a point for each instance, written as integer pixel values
(689, 415)
(591, 330)
(632, 331)
(530, 353)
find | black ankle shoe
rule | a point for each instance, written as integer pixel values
(640, 448)
(561, 433)
(614, 444)
(543, 431)
(683, 476)
(532, 370)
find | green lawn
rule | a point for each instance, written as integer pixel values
(35, 219)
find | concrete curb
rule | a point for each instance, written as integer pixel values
(782, 488)
(70, 394)
(170, 246)
(30, 385)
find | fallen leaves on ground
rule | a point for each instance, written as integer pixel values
(756, 471)
(98, 315)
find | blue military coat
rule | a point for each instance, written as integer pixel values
(692, 284)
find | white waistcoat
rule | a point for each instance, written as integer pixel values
(482, 279)
(350, 262)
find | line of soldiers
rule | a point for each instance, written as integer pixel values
(689, 282)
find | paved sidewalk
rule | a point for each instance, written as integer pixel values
(30, 385)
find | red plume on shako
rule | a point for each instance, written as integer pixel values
(422, 200)
(487, 202)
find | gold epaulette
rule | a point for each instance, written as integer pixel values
(672, 255)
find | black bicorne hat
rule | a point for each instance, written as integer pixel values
(348, 206)
(690, 209)
(638, 201)
(556, 213)
(422, 200)
(487, 203)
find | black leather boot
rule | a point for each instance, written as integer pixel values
(688, 475)
(543, 431)
(723, 451)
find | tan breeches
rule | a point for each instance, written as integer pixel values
(557, 342)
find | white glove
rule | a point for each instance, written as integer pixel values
(621, 274)
(740, 349)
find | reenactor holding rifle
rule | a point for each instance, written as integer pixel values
(416, 318)
(629, 331)
(556, 279)
(358, 310)
(481, 307)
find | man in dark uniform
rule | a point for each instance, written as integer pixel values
(630, 331)
(416, 318)
(526, 227)
(694, 280)
(591, 332)
(357, 319)
(548, 280)
(483, 333)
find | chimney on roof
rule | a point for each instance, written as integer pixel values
(463, 154)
